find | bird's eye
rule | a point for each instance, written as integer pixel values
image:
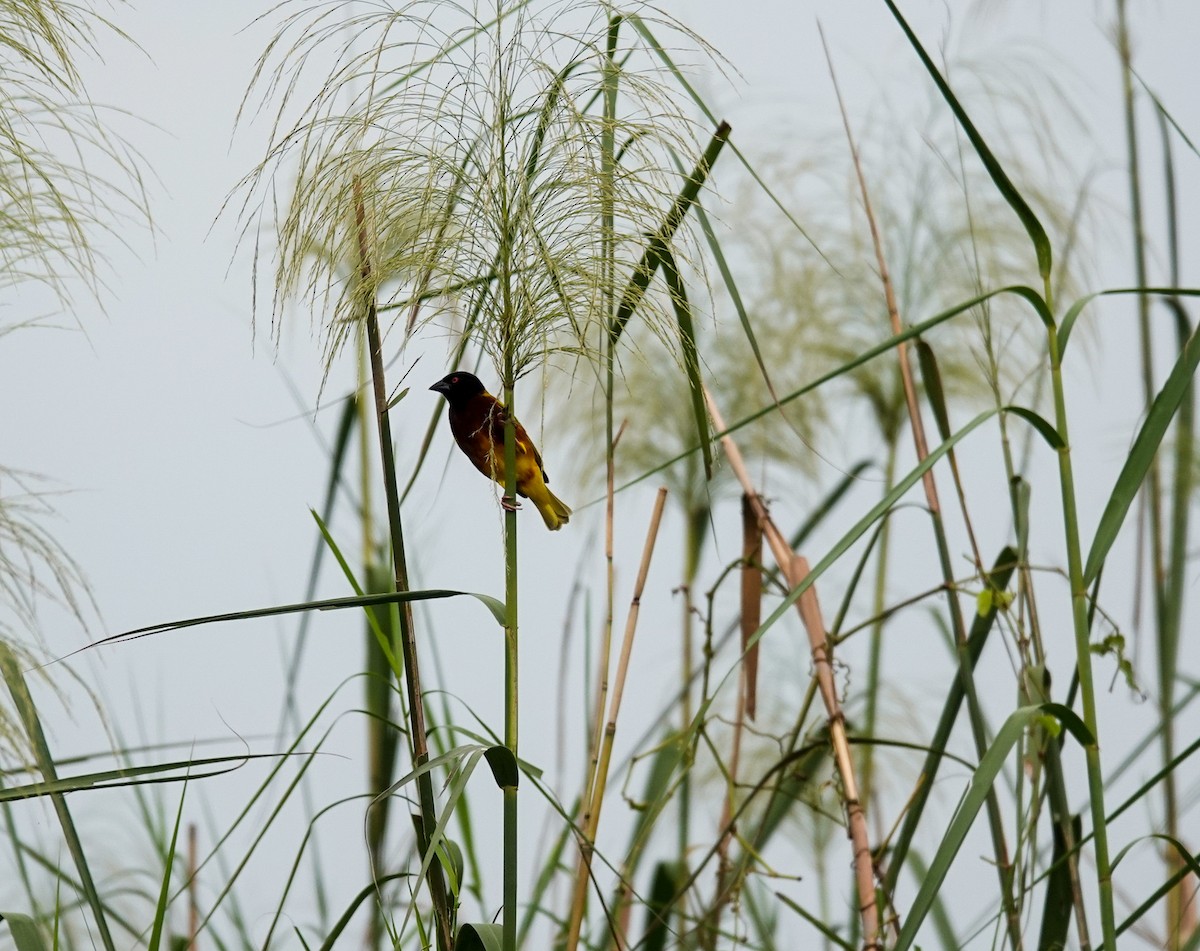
(453, 379)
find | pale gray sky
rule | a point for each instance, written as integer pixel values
(188, 468)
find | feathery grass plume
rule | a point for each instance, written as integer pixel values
(475, 131)
(948, 236)
(65, 175)
(32, 564)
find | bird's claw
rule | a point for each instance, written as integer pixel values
(509, 504)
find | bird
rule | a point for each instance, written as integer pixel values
(477, 421)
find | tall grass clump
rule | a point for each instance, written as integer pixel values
(877, 713)
(470, 168)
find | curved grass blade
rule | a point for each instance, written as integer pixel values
(1073, 312)
(129, 776)
(342, 922)
(1189, 865)
(327, 604)
(1141, 455)
(1037, 234)
(479, 937)
(985, 775)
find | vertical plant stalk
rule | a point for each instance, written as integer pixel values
(1181, 902)
(1004, 867)
(599, 782)
(795, 569)
(412, 677)
(511, 684)
(608, 166)
(875, 646)
(1079, 613)
(1152, 499)
(192, 887)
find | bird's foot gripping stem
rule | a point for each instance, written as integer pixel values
(509, 504)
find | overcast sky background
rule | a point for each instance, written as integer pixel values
(187, 465)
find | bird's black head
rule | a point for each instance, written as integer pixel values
(458, 386)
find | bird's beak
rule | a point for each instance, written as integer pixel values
(440, 387)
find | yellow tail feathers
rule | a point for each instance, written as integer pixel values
(555, 512)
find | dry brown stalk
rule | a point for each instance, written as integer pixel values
(795, 569)
(598, 781)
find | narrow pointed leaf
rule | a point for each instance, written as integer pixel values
(691, 357)
(1141, 455)
(658, 243)
(1037, 234)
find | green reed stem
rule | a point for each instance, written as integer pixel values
(412, 676)
(1079, 614)
(509, 920)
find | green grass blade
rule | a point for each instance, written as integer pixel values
(658, 243)
(1037, 234)
(129, 776)
(816, 922)
(164, 892)
(342, 922)
(1073, 312)
(326, 604)
(1141, 455)
(691, 358)
(25, 933)
(31, 723)
(981, 627)
(985, 775)
(1056, 904)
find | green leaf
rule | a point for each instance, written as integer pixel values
(932, 378)
(504, 766)
(1044, 427)
(1141, 455)
(25, 932)
(479, 937)
(164, 892)
(1037, 234)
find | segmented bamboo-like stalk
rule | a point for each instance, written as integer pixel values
(599, 780)
(795, 569)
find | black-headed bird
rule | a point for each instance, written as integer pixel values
(477, 421)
